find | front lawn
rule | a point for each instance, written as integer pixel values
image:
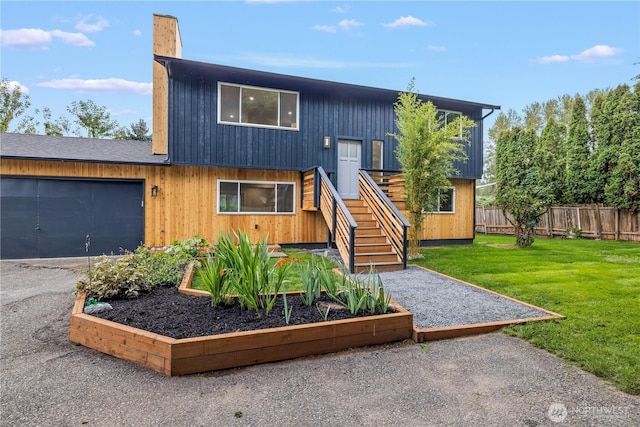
(596, 284)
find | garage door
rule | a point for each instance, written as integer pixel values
(44, 218)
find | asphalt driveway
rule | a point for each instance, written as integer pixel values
(488, 380)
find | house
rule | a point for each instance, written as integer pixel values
(297, 161)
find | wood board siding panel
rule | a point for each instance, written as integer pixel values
(187, 199)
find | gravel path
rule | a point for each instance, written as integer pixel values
(436, 300)
(485, 380)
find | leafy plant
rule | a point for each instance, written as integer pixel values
(196, 246)
(132, 274)
(310, 278)
(257, 280)
(363, 295)
(287, 310)
(214, 279)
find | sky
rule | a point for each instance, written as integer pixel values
(507, 53)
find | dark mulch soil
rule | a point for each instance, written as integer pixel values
(167, 312)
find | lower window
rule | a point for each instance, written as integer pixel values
(446, 198)
(256, 197)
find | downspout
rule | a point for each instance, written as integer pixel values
(474, 181)
(489, 113)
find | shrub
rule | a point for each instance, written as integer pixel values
(196, 246)
(132, 274)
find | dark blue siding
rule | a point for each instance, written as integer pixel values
(326, 108)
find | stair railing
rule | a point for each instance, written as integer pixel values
(337, 216)
(393, 223)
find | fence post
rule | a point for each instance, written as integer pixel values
(550, 223)
(617, 226)
(484, 219)
(598, 234)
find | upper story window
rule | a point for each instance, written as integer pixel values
(448, 117)
(253, 106)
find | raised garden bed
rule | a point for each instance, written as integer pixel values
(171, 356)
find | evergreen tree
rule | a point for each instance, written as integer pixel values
(550, 160)
(580, 188)
(519, 195)
(622, 189)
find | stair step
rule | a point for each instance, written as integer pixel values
(372, 248)
(370, 239)
(379, 267)
(368, 231)
(362, 216)
(374, 257)
(372, 223)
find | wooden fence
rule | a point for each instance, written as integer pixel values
(588, 221)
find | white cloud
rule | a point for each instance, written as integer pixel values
(100, 85)
(13, 85)
(596, 52)
(436, 48)
(344, 25)
(86, 27)
(36, 38)
(551, 59)
(74, 39)
(33, 38)
(407, 21)
(325, 28)
(340, 9)
(137, 32)
(589, 55)
(349, 24)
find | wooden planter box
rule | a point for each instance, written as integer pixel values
(171, 356)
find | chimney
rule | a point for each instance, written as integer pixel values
(166, 42)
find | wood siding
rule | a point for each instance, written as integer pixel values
(459, 225)
(187, 199)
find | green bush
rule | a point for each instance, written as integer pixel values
(133, 274)
(196, 246)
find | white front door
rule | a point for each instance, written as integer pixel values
(349, 163)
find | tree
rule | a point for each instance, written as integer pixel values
(504, 121)
(427, 149)
(14, 103)
(550, 160)
(522, 200)
(579, 182)
(622, 189)
(139, 131)
(95, 119)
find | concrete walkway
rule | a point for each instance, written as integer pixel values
(488, 380)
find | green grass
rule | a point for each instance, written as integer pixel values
(292, 279)
(595, 284)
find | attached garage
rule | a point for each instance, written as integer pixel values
(70, 197)
(43, 218)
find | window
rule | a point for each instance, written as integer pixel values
(257, 107)
(448, 117)
(256, 197)
(446, 200)
(376, 161)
